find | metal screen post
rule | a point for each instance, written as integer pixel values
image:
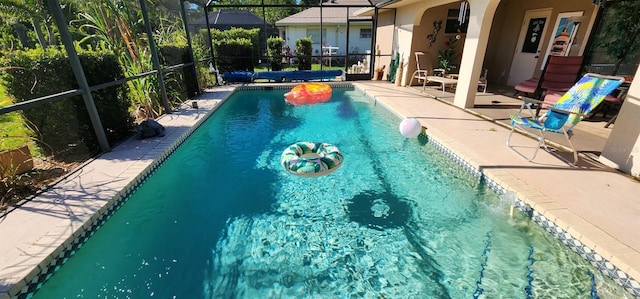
(188, 35)
(154, 57)
(213, 58)
(83, 85)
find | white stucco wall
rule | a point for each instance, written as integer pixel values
(407, 17)
(475, 47)
(336, 37)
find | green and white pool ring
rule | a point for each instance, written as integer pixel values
(311, 159)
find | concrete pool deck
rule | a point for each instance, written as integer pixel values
(597, 206)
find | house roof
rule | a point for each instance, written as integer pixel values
(379, 2)
(330, 15)
(230, 17)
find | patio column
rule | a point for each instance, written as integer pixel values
(475, 47)
(622, 150)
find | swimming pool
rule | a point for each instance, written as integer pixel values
(221, 218)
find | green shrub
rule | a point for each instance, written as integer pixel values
(180, 83)
(303, 53)
(234, 55)
(202, 54)
(64, 126)
(201, 45)
(274, 51)
(229, 39)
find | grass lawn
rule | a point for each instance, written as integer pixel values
(13, 131)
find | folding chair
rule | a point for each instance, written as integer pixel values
(567, 112)
(482, 83)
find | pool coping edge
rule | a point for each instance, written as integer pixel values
(494, 179)
(523, 202)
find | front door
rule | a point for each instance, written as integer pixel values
(527, 51)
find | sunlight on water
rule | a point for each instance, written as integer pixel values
(222, 219)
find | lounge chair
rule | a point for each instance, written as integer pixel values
(482, 83)
(443, 81)
(567, 112)
(558, 75)
(614, 103)
(300, 75)
(419, 74)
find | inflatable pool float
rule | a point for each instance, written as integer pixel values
(308, 93)
(310, 159)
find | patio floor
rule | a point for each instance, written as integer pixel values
(597, 205)
(499, 102)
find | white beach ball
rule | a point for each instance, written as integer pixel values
(410, 127)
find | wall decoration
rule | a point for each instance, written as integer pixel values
(563, 35)
(437, 25)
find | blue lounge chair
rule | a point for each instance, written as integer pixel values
(567, 112)
(238, 76)
(306, 75)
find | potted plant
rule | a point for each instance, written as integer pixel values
(447, 56)
(378, 73)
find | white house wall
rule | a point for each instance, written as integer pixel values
(407, 17)
(336, 37)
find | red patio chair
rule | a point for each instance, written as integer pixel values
(558, 76)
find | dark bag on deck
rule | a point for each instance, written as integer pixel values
(149, 128)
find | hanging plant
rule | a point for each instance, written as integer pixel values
(447, 56)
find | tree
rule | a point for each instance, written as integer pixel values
(34, 11)
(303, 53)
(271, 14)
(274, 52)
(621, 33)
(8, 40)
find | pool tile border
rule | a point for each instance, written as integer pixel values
(556, 231)
(598, 261)
(595, 259)
(46, 269)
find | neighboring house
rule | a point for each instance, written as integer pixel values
(338, 23)
(227, 19)
(510, 38)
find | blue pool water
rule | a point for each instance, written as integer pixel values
(222, 219)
